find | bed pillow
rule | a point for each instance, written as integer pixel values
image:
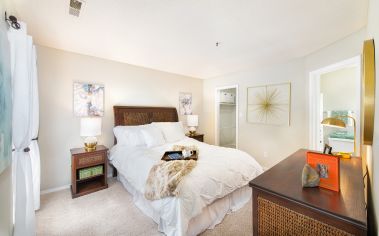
(153, 136)
(172, 131)
(130, 136)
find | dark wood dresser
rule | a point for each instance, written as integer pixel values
(282, 207)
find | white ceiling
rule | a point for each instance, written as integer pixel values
(179, 36)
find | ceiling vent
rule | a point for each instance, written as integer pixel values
(75, 7)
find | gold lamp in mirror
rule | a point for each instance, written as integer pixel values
(339, 123)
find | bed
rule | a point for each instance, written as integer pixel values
(215, 187)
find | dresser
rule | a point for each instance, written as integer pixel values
(282, 207)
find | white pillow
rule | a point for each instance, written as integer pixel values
(172, 131)
(153, 136)
(130, 136)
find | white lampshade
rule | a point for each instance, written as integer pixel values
(90, 126)
(192, 120)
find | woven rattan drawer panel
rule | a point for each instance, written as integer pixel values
(274, 219)
(84, 161)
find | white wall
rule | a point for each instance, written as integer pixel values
(6, 222)
(373, 161)
(124, 85)
(340, 90)
(268, 144)
(337, 52)
(341, 50)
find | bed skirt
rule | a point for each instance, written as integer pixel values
(211, 215)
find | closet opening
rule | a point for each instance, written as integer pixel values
(226, 99)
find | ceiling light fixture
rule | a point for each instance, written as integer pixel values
(75, 7)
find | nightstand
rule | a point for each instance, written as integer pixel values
(198, 137)
(82, 162)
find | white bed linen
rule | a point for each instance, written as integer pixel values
(207, 219)
(219, 172)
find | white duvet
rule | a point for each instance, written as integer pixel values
(219, 171)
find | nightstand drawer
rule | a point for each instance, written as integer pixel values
(90, 160)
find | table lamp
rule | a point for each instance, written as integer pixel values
(90, 127)
(339, 123)
(192, 123)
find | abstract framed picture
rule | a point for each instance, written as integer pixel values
(328, 168)
(185, 103)
(88, 99)
(5, 106)
(269, 104)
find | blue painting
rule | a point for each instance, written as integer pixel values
(5, 102)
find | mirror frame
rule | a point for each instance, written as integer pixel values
(368, 92)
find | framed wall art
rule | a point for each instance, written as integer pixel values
(269, 104)
(5, 106)
(185, 103)
(88, 99)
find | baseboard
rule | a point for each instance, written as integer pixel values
(51, 190)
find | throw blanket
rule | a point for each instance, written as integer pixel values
(165, 177)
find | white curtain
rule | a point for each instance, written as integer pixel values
(34, 149)
(22, 63)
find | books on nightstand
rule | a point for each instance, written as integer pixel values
(90, 172)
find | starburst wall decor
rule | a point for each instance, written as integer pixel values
(269, 104)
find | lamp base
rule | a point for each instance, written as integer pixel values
(192, 131)
(90, 144)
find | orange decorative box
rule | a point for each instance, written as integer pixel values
(328, 167)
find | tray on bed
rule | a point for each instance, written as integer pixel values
(165, 156)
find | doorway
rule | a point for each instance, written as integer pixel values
(334, 92)
(226, 99)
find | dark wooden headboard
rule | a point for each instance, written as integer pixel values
(129, 115)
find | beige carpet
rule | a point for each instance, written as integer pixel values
(112, 212)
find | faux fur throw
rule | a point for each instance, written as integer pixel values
(165, 177)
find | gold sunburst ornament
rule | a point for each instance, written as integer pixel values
(269, 104)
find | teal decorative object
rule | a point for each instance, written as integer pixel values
(309, 177)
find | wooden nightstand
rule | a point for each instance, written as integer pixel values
(198, 137)
(80, 160)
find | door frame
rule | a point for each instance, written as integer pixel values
(217, 112)
(315, 116)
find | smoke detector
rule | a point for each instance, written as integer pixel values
(75, 7)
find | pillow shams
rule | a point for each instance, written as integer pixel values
(129, 135)
(153, 136)
(172, 131)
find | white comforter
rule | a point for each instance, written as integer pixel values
(219, 171)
